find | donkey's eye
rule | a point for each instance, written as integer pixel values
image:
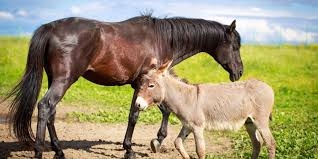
(151, 85)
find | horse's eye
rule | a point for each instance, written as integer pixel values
(151, 85)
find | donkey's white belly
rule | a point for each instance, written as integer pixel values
(227, 125)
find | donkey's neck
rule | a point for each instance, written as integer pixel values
(179, 96)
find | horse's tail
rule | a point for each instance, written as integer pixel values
(26, 92)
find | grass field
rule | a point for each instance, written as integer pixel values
(291, 70)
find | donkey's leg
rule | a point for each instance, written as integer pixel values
(133, 116)
(255, 138)
(263, 128)
(178, 143)
(162, 133)
(54, 140)
(199, 142)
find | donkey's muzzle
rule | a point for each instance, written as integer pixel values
(141, 103)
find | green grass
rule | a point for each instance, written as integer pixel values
(291, 70)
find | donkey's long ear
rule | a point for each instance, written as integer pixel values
(231, 27)
(164, 68)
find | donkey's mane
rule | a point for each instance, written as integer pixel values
(174, 75)
(238, 84)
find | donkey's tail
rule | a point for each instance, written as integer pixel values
(26, 92)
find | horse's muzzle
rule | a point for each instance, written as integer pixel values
(236, 76)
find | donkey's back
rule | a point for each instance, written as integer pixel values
(228, 106)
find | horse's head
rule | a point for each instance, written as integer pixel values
(227, 53)
(151, 88)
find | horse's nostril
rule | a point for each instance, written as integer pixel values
(241, 73)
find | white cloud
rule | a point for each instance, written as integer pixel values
(262, 31)
(208, 10)
(253, 23)
(6, 15)
(75, 9)
(22, 13)
(256, 9)
(84, 9)
(293, 35)
(25, 34)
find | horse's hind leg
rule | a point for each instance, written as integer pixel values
(54, 140)
(255, 138)
(52, 132)
(46, 112)
(162, 133)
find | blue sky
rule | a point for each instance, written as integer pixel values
(258, 21)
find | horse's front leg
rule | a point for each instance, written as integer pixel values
(133, 117)
(163, 131)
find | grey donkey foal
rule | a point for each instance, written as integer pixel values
(212, 106)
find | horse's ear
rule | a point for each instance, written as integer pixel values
(164, 68)
(231, 27)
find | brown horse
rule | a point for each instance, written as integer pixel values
(111, 54)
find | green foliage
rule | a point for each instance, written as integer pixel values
(121, 115)
(13, 53)
(292, 71)
(295, 133)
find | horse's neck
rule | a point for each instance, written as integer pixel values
(179, 95)
(182, 40)
(180, 56)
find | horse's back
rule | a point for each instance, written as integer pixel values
(104, 53)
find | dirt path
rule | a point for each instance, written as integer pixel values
(96, 140)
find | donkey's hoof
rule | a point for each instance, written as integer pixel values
(155, 145)
(130, 155)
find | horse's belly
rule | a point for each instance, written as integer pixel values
(107, 78)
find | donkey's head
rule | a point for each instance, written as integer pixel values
(227, 53)
(151, 88)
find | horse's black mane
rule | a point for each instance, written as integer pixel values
(190, 34)
(187, 34)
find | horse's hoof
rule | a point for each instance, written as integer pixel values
(130, 155)
(38, 155)
(59, 156)
(155, 145)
